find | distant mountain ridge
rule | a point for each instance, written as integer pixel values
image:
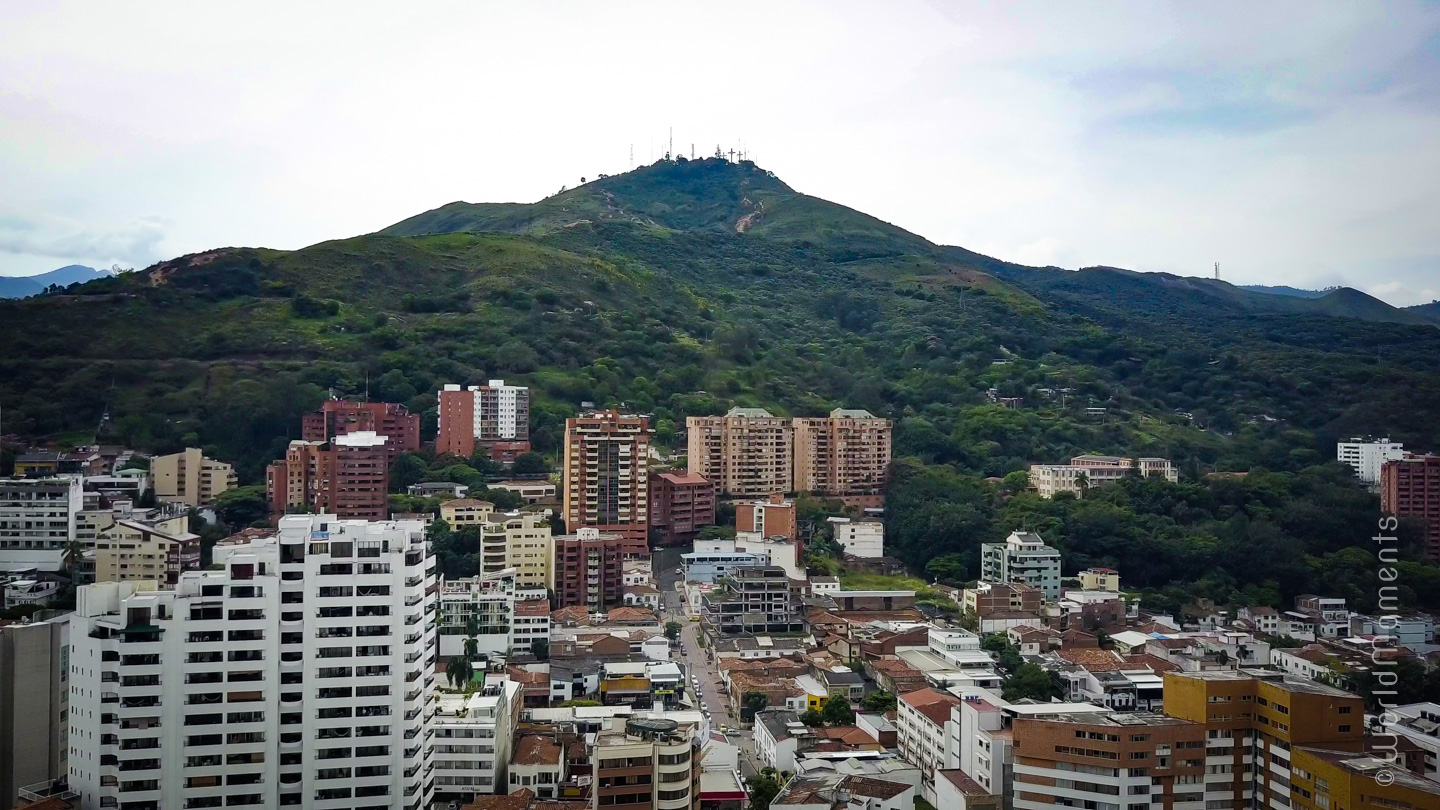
(25, 286)
(1292, 292)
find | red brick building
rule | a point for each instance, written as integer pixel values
(605, 476)
(494, 417)
(588, 569)
(1410, 487)
(338, 417)
(680, 504)
(348, 478)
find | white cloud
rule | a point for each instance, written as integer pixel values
(1293, 143)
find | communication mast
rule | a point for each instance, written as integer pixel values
(1217, 271)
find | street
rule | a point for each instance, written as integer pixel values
(697, 664)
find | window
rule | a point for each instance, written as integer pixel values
(1344, 729)
(1344, 709)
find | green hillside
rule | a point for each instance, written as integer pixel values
(686, 287)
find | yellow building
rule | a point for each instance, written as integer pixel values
(1322, 779)
(190, 478)
(1100, 579)
(464, 512)
(130, 551)
(521, 540)
(1259, 716)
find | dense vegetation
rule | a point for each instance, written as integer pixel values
(687, 287)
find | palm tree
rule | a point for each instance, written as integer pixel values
(458, 671)
(472, 648)
(1082, 481)
(74, 550)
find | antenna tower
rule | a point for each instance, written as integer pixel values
(670, 151)
(1217, 271)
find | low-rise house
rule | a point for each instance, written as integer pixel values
(30, 591)
(1029, 640)
(538, 764)
(896, 676)
(532, 492)
(844, 793)
(956, 791)
(437, 489)
(757, 647)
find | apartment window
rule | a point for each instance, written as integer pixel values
(1344, 709)
(1344, 729)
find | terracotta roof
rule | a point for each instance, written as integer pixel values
(631, 614)
(466, 503)
(532, 607)
(573, 613)
(1172, 643)
(1154, 662)
(532, 749)
(874, 788)
(520, 800)
(641, 589)
(963, 783)
(894, 667)
(934, 705)
(1094, 660)
(851, 735)
(525, 677)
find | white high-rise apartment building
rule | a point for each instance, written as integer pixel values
(1367, 456)
(299, 674)
(38, 518)
(1023, 557)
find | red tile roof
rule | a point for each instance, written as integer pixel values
(934, 705)
(963, 783)
(532, 607)
(1094, 660)
(533, 749)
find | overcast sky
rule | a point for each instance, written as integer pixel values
(1293, 143)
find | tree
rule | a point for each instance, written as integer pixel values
(74, 550)
(531, 463)
(763, 788)
(812, 718)
(1016, 482)
(837, 712)
(672, 630)
(241, 506)
(458, 671)
(540, 648)
(881, 701)
(1029, 681)
(472, 647)
(756, 701)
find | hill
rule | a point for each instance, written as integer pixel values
(686, 287)
(1430, 311)
(22, 286)
(1293, 292)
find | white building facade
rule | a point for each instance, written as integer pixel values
(37, 521)
(1367, 456)
(860, 538)
(299, 674)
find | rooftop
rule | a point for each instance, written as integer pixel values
(1289, 683)
(533, 749)
(963, 783)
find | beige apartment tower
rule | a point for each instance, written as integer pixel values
(844, 454)
(746, 452)
(190, 478)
